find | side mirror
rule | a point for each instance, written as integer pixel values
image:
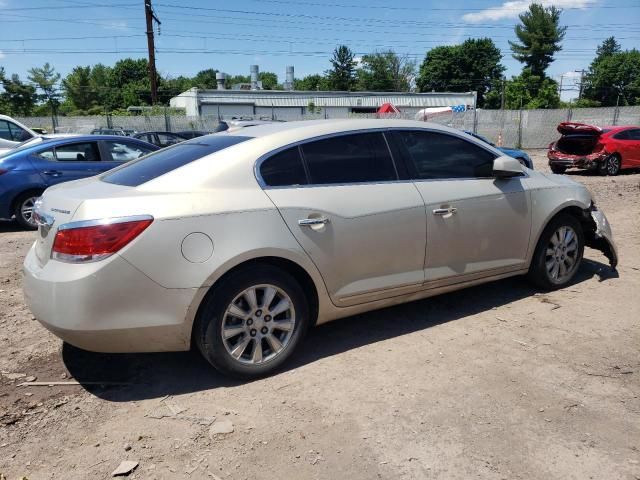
(506, 167)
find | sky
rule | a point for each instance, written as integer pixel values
(229, 36)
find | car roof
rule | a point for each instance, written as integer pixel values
(313, 128)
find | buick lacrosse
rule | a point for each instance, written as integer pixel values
(238, 242)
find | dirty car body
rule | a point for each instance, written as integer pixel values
(239, 241)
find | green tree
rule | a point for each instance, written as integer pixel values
(18, 98)
(341, 77)
(77, 88)
(313, 82)
(473, 65)
(269, 81)
(531, 91)
(386, 72)
(170, 87)
(206, 79)
(540, 36)
(608, 47)
(106, 94)
(46, 79)
(615, 79)
(232, 80)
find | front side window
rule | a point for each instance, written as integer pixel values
(436, 155)
(78, 152)
(623, 135)
(9, 131)
(284, 169)
(124, 152)
(362, 157)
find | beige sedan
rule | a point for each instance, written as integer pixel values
(239, 242)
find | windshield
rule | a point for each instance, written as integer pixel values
(167, 159)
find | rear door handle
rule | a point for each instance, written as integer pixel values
(53, 173)
(310, 222)
(445, 211)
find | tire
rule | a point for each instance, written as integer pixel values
(558, 170)
(23, 210)
(228, 306)
(547, 254)
(612, 164)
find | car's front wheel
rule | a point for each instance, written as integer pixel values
(558, 254)
(252, 322)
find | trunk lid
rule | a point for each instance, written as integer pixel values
(58, 206)
(571, 128)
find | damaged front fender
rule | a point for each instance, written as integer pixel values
(598, 235)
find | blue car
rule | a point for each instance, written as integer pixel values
(519, 155)
(27, 170)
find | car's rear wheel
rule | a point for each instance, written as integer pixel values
(558, 170)
(558, 254)
(251, 323)
(613, 164)
(24, 208)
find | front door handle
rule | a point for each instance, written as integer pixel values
(53, 173)
(445, 211)
(311, 222)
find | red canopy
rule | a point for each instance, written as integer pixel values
(388, 108)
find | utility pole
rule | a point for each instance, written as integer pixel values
(502, 95)
(560, 88)
(581, 72)
(151, 17)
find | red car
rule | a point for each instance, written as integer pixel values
(607, 149)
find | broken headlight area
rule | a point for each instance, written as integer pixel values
(597, 233)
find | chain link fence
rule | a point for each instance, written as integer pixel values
(509, 128)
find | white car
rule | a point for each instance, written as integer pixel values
(12, 132)
(239, 242)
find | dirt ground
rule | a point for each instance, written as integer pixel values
(494, 382)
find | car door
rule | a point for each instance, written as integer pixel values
(633, 146)
(341, 198)
(70, 161)
(476, 224)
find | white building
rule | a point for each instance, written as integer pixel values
(294, 105)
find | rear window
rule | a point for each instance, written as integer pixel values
(163, 161)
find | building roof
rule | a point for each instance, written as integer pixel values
(296, 98)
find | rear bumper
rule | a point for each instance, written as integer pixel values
(107, 306)
(592, 161)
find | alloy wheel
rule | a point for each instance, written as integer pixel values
(26, 210)
(613, 165)
(258, 324)
(562, 254)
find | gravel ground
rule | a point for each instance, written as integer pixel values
(494, 382)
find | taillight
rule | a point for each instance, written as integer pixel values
(93, 240)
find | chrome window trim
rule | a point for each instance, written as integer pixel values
(383, 130)
(103, 221)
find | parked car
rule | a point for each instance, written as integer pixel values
(518, 154)
(241, 241)
(25, 172)
(13, 132)
(188, 134)
(109, 131)
(607, 150)
(160, 139)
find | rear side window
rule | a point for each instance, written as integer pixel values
(354, 158)
(436, 155)
(124, 151)
(634, 134)
(284, 169)
(163, 161)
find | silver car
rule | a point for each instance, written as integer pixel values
(239, 242)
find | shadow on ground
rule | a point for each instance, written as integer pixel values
(10, 226)
(153, 375)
